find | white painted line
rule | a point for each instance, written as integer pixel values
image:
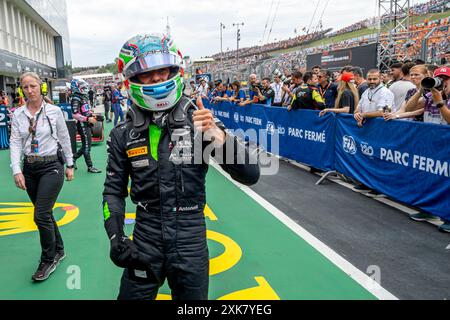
(396, 205)
(360, 277)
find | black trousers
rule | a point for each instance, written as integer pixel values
(107, 105)
(44, 181)
(86, 142)
(177, 248)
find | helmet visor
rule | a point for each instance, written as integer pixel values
(150, 62)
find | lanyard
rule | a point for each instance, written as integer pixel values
(279, 88)
(371, 97)
(322, 92)
(33, 126)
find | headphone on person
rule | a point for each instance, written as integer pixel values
(43, 84)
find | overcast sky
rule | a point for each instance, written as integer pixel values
(98, 28)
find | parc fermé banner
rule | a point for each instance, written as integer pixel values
(306, 138)
(408, 161)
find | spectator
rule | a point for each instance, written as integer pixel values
(375, 101)
(417, 74)
(436, 106)
(252, 92)
(193, 88)
(220, 93)
(431, 69)
(436, 103)
(346, 69)
(237, 95)
(360, 82)
(210, 90)
(316, 70)
(348, 96)
(401, 87)
(266, 95)
(396, 73)
(289, 92)
(252, 80)
(307, 96)
(277, 87)
(202, 89)
(327, 89)
(385, 78)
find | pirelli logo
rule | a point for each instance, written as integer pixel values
(137, 152)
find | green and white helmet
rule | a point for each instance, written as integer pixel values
(148, 52)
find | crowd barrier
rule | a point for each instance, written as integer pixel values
(407, 161)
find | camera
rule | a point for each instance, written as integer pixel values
(430, 83)
(256, 86)
(284, 79)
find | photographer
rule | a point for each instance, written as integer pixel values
(266, 93)
(435, 103)
(289, 91)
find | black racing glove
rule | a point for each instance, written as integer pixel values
(123, 252)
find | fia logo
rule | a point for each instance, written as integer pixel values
(236, 117)
(349, 145)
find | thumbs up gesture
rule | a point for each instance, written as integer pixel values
(204, 122)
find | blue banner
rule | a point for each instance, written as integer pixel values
(303, 136)
(408, 161)
(4, 138)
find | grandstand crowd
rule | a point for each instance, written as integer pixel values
(406, 46)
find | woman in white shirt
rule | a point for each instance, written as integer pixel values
(39, 143)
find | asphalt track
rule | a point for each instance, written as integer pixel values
(412, 258)
(254, 253)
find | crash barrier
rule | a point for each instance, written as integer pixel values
(407, 161)
(4, 131)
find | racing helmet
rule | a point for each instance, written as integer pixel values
(79, 86)
(149, 52)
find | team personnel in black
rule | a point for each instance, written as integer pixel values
(85, 118)
(40, 137)
(159, 148)
(307, 96)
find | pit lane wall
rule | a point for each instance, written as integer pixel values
(407, 161)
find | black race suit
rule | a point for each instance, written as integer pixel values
(170, 230)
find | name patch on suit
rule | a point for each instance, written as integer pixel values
(141, 163)
(137, 152)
